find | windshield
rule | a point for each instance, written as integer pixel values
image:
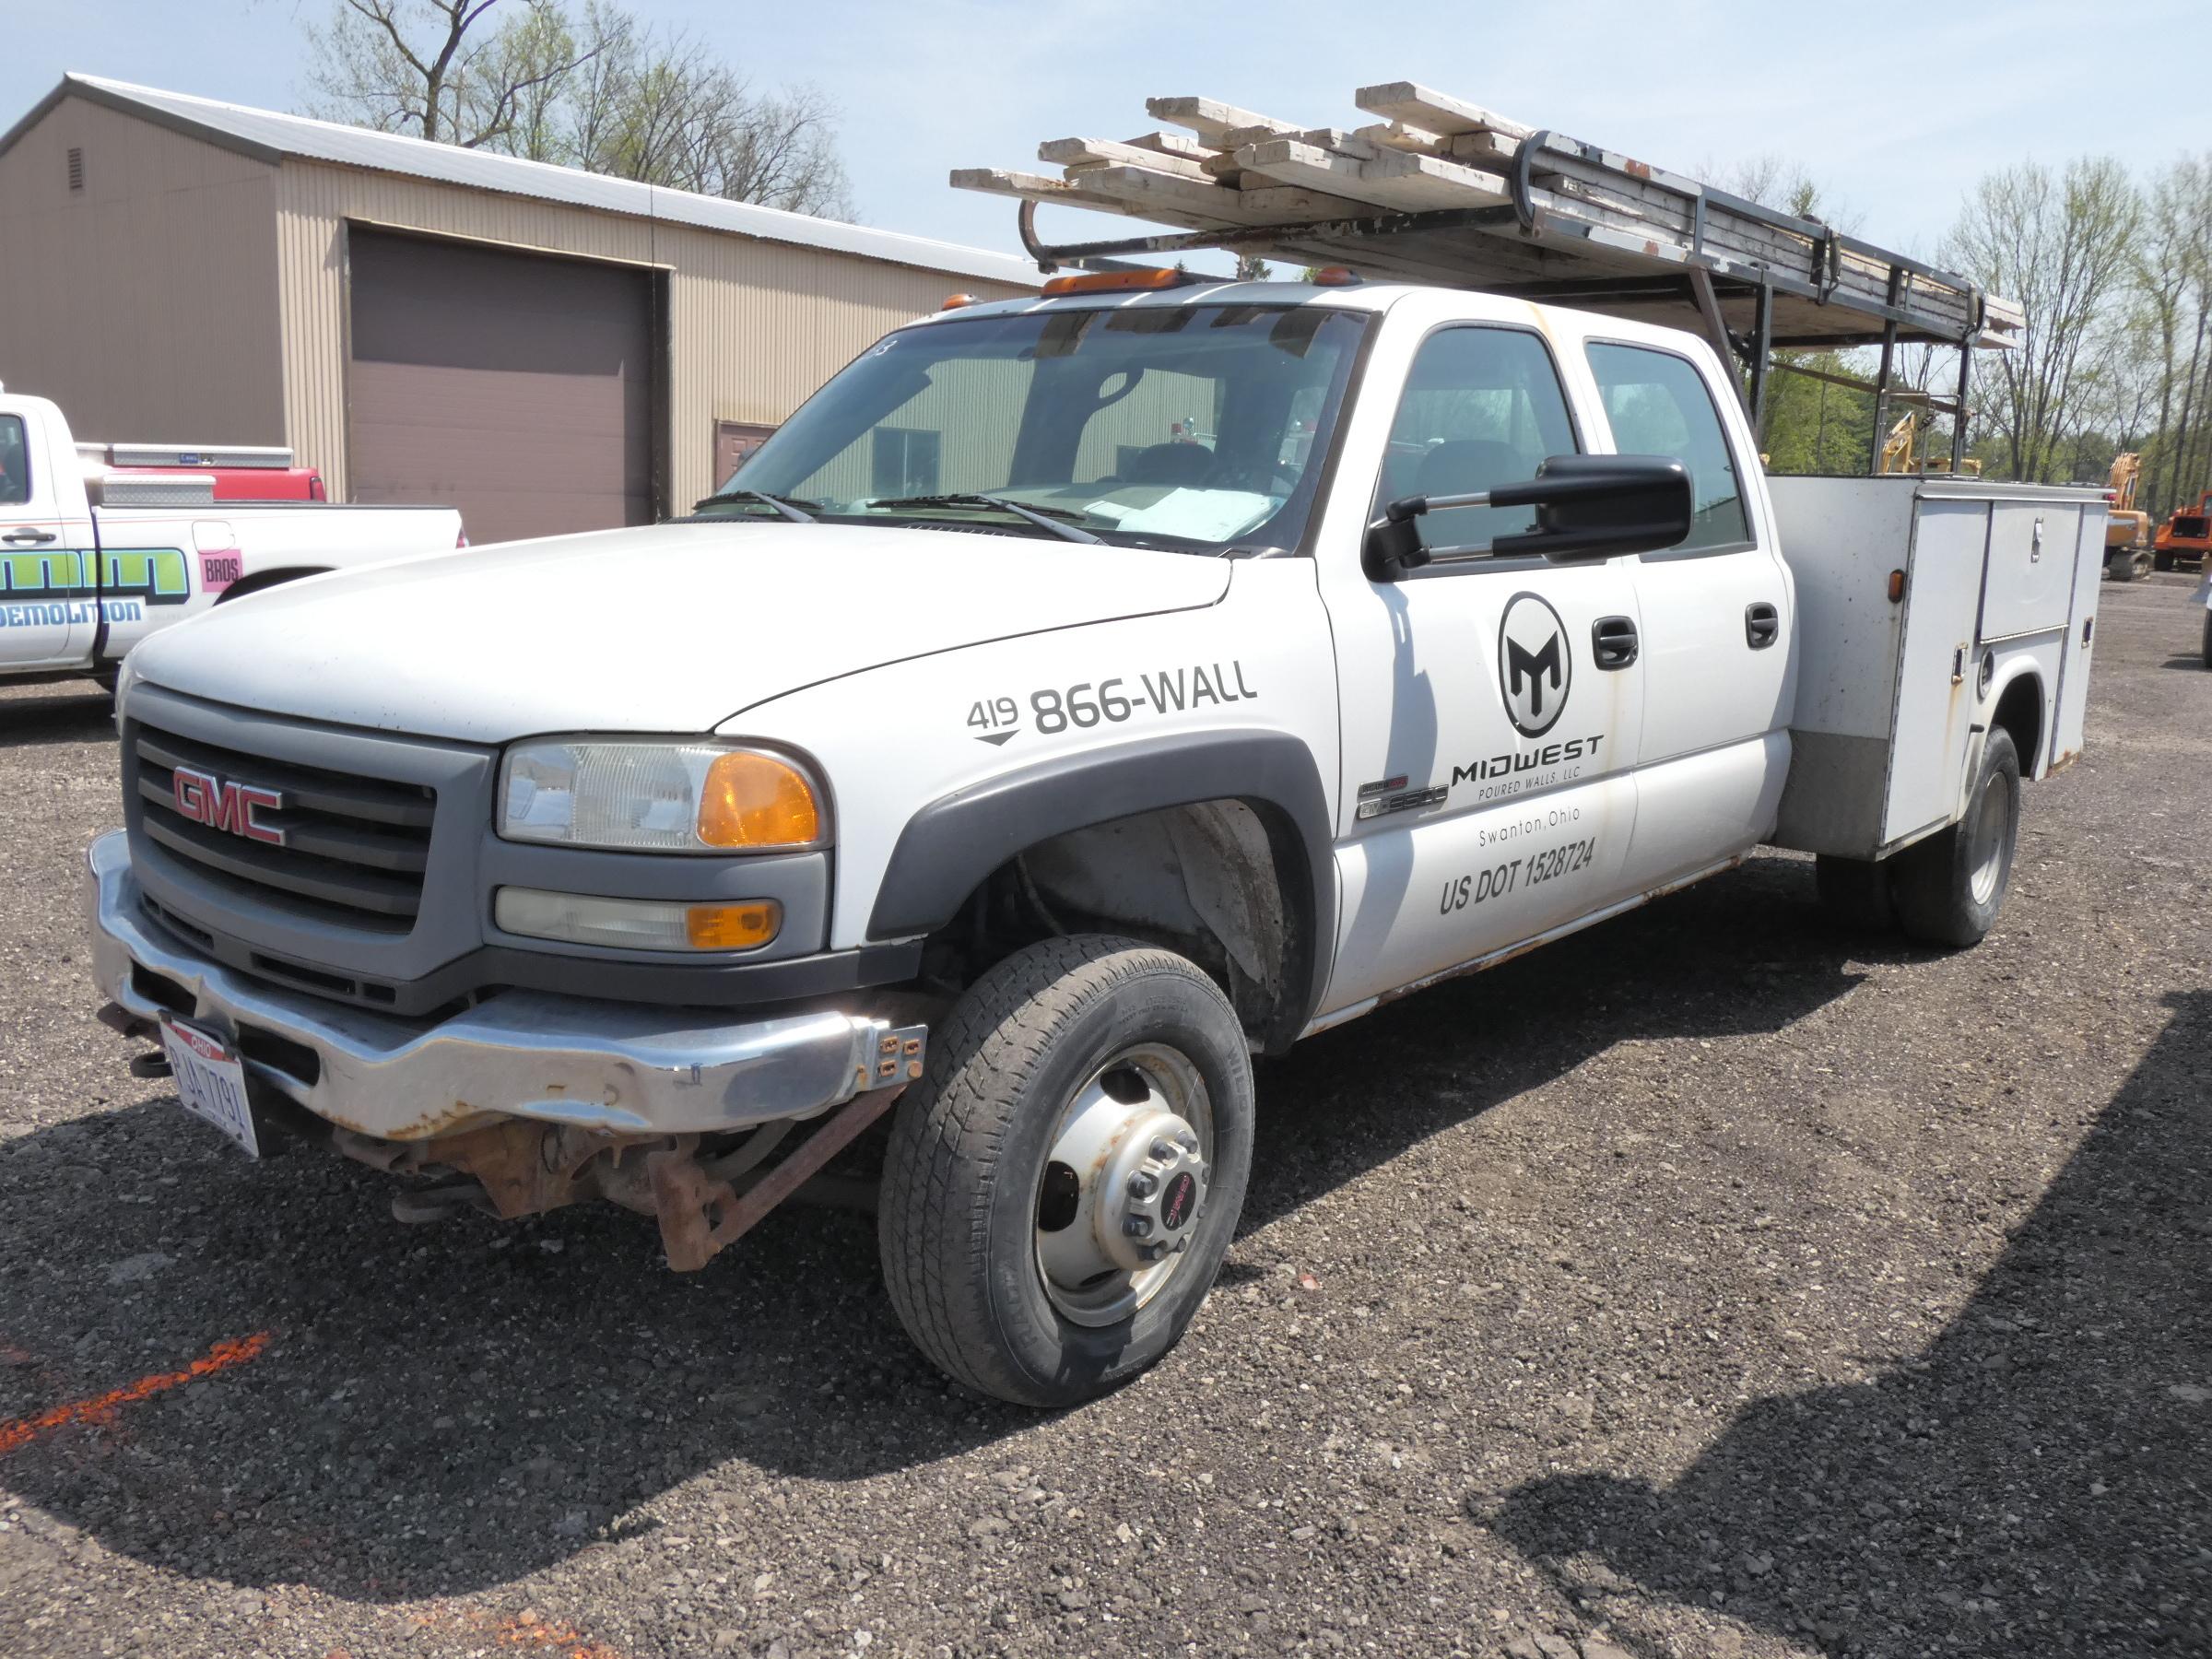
(1191, 427)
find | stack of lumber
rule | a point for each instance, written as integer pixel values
(1436, 190)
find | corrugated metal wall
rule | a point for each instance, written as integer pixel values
(756, 325)
(146, 304)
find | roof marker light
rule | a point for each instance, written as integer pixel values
(1100, 282)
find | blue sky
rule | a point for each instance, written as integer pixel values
(1896, 117)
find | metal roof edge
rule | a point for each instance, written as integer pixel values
(74, 84)
(514, 175)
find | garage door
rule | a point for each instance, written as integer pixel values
(515, 387)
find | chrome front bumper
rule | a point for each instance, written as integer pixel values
(616, 1066)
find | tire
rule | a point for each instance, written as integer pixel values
(2120, 565)
(2162, 561)
(971, 1192)
(1949, 888)
(1855, 893)
(2208, 639)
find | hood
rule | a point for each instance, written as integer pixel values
(673, 629)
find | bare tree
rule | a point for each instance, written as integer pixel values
(428, 68)
(2060, 246)
(597, 89)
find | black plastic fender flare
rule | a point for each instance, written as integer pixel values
(953, 843)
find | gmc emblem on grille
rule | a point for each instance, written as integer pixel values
(203, 798)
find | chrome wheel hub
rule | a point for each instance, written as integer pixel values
(1123, 1185)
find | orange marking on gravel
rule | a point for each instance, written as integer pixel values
(101, 1409)
(527, 1631)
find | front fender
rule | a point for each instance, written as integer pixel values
(949, 846)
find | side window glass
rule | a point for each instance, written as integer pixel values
(14, 461)
(1482, 406)
(1659, 404)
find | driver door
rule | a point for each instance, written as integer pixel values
(1490, 709)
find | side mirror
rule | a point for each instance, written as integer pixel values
(1587, 507)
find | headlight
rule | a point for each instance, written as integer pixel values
(637, 923)
(656, 797)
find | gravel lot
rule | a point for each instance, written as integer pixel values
(1710, 1284)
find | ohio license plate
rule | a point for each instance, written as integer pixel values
(210, 1081)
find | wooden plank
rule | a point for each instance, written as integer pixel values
(1392, 179)
(1031, 187)
(1210, 118)
(1493, 150)
(1170, 144)
(1143, 191)
(1072, 152)
(1415, 105)
(1392, 134)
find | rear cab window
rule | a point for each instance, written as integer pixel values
(1658, 403)
(1482, 406)
(14, 461)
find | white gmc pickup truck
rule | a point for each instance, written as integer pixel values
(1077, 696)
(94, 559)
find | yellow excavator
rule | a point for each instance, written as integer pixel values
(1901, 450)
(2128, 548)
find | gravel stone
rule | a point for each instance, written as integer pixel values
(1883, 1336)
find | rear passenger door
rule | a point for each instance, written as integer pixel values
(1486, 794)
(1715, 614)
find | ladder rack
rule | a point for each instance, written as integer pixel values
(1446, 192)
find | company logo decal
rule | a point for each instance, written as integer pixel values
(202, 798)
(1534, 667)
(157, 575)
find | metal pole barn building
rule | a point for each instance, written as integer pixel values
(547, 350)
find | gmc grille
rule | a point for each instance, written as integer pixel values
(354, 849)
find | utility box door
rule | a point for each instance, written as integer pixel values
(2030, 583)
(2081, 639)
(1935, 713)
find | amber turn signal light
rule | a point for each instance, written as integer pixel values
(755, 800)
(740, 926)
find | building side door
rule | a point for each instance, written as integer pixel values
(735, 441)
(1716, 614)
(1487, 794)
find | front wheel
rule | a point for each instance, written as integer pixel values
(1061, 1186)
(2121, 564)
(1948, 888)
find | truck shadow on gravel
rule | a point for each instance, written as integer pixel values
(448, 1409)
(1744, 954)
(2038, 1479)
(59, 715)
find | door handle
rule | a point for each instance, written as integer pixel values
(1762, 625)
(28, 534)
(1613, 642)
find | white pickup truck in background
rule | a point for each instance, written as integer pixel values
(1254, 653)
(94, 559)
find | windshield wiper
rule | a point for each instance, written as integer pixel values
(783, 504)
(1044, 518)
